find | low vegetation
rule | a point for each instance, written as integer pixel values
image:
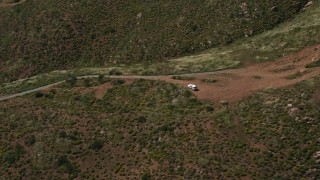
(42, 36)
(316, 63)
(285, 122)
(298, 74)
(144, 129)
(264, 47)
(151, 129)
(209, 80)
(183, 77)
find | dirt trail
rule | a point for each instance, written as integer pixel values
(5, 5)
(235, 84)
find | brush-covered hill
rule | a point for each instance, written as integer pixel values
(39, 36)
(152, 129)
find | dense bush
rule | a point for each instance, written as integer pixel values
(314, 64)
(146, 176)
(101, 79)
(96, 145)
(14, 155)
(64, 164)
(39, 94)
(115, 72)
(30, 140)
(72, 81)
(117, 82)
(142, 119)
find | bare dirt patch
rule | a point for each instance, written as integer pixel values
(98, 91)
(101, 90)
(235, 84)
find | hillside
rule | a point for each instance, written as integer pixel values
(106, 96)
(154, 129)
(40, 36)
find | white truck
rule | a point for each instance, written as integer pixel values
(193, 87)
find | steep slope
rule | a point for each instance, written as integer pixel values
(39, 36)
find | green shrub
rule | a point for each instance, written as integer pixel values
(16, 1)
(14, 155)
(39, 94)
(86, 83)
(183, 77)
(142, 119)
(209, 108)
(101, 79)
(313, 64)
(72, 81)
(146, 176)
(209, 80)
(30, 140)
(62, 134)
(187, 94)
(257, 77)
(295, 75)
(64, 164)
(96, 145)
(115, 72)
(167, 128)
(117, 82)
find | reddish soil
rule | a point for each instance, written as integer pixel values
(101, 90)
(235, 84)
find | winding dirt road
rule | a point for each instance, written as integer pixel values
(233, 84)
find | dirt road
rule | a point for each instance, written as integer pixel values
(233, 84)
